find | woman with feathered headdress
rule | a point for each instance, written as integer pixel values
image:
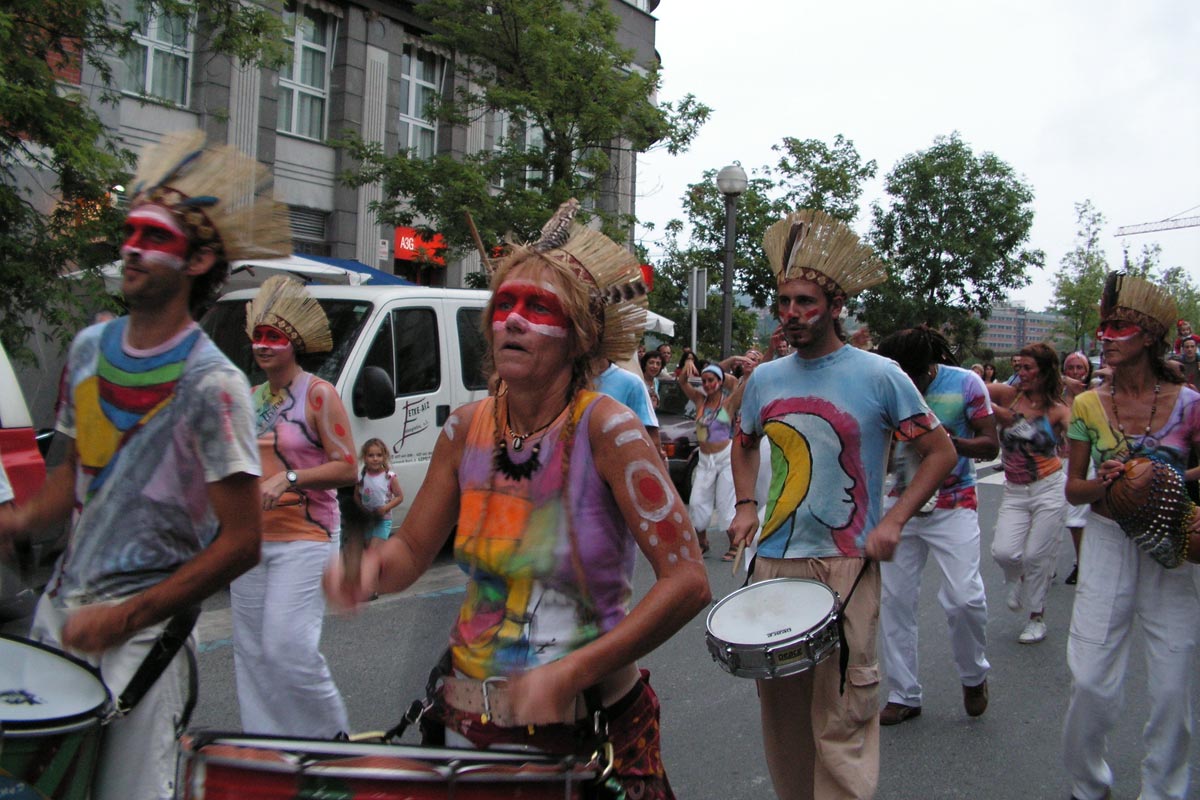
(1142, 417)
(553, 489)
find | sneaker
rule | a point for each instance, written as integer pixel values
(1014, 596)
(1073, 578)
(895, 713)
(975, 699)
(1035, 631)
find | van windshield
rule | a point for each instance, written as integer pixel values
(225, 323)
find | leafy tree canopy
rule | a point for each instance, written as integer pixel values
(953, 234)
(57, 160)
(572, 97)
(1080, 279)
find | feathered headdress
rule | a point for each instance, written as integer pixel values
(1129, 299)
(284, 303)
(221, 196)
(613, 275)
(813, 246)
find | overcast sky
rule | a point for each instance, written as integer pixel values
(1084, 99)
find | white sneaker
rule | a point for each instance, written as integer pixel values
(1014, 596)
(1035, 631)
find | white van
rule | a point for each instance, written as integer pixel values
(403, 358)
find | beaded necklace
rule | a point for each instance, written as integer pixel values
(1112, 393)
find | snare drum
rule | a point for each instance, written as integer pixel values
(226, 767)
(774, 628)
(50, 710)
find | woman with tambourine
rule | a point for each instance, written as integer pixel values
(1138, 428)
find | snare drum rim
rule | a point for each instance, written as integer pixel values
(49, 726)
(797, 637)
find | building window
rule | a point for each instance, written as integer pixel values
(310, 234)
(159, 62)
(304, 82)
(421, 74)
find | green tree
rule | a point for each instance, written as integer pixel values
(572, 98)
(1080, 279)
(953, 235)
(57, 160)
(813, 174)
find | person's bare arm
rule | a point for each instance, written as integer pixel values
(52, 503)
(97, 627)
(984, 444)
(937, 459)
(745, 460)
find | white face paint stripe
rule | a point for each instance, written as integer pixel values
(625, 437)
(617, 419)
(157, 214)
(652, 514)
(154, 257)
(534, 327)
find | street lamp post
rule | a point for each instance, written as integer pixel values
(731, 182)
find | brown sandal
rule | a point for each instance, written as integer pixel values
(730, 554)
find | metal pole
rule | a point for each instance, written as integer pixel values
(693, 301)
(727, 280)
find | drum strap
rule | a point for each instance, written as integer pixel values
(174, 636)
(843, 647)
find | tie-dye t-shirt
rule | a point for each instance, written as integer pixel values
(152, 429)
(1170, 443)
(533, 595)
(830, 421)
(1029, 449)
(957, 397)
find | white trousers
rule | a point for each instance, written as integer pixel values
(283, 682)
(1118, 586)
(1028, 531)
(138, 752)
(951, 535)
(712, 489)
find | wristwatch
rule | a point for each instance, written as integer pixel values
(291, 476)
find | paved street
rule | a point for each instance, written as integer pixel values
(710, 725)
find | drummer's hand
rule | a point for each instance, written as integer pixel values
(883, 540)
(744, 525)
(544, 695)
(1110, 470)
(272, 489)
(345, 595)
(95, 628)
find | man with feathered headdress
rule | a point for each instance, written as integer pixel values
(830, 412)
(161, 465)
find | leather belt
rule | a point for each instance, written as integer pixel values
(491, 699)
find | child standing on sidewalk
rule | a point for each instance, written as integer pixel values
(378, 490)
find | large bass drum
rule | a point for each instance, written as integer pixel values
(51, 707)
(773, 629)
(226, 767)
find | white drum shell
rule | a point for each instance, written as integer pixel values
(774, 628)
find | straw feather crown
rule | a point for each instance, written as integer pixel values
(814, 246)
(284, 303)
(221, 196)
(1130, 299)
(612, 273)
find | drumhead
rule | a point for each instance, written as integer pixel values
(771, 611)
(41, 685)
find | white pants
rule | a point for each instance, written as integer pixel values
(952, 536)
(283, 682)
(1119, 585)
(138, 751)
(712, 488)
(1028, 530)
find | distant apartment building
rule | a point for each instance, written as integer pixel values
(1009, 328)
(357, 65)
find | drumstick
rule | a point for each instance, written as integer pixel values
(737, 560)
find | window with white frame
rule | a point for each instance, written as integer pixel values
(421, 74)
(304, 80)
(159, 62)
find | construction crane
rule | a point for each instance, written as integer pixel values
(1163, 225)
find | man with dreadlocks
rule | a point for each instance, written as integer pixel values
(949, 530)
(830, 412)
(161, 466)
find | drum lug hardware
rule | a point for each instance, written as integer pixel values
(605, 754)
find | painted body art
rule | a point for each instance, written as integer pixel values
(451, 424)
(270, 338)
(625, 437)
(617, 419)
(531, 306)
(331, 421)
(1117, 331)
(153, 235)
